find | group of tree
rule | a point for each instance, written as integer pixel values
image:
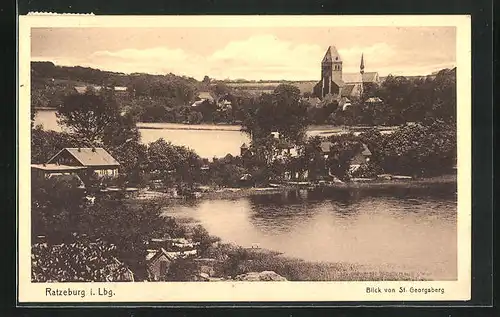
(395, 101)
(417, 150)
(60, 211)
(151, 98)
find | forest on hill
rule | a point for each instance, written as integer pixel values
(176, 99)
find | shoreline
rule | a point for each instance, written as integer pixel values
(256, 260)
(235, 193)
(321, 129)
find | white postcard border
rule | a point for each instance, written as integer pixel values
(249, 291)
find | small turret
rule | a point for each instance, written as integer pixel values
(362, 65)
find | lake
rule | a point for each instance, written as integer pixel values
(398, 230)
(206, 140)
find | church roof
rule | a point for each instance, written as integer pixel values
(331, 55)
(352, 77)
(368, 77)
(347, 90)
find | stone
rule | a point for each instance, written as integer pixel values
(260, 276)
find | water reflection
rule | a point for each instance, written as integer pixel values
(411, 230)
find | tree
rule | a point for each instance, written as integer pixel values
(200, 235)
(133, 158)
(56, 204)
(122, 130)
(282, 111)
(291, 113)
(45, 144)
(88, 115)
(174, 163)
(421, 149)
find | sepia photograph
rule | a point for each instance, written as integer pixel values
(276, 152)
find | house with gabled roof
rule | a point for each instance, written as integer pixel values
(158, 264)
(96, 160)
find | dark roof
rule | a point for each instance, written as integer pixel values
(90, 156)
(331, 55)
(158, 254)
(370, 77)
(366, 151)
(347, 90)
(244, 146)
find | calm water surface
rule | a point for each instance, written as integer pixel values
(206, 140)
(407, 231)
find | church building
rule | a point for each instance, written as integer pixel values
(337, 84)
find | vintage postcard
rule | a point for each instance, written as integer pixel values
(185, 159)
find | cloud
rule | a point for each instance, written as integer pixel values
(269, 56)
(257, 57)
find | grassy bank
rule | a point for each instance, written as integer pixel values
(226, 261)
(243, 261)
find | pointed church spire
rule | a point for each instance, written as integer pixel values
(331, 55)
(328, 56)
(362, 66)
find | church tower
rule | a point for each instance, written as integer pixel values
(331, 74)
(331, 65)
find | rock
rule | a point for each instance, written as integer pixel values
(262, 276)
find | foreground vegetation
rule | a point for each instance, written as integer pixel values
(104, 240)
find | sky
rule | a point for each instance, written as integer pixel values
(252, 53)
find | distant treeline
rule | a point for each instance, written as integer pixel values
(170, 98)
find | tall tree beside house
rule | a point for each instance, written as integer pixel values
(291, 113)
(259, 117)
(282, 111)
(46, 143)
(344, 148)
(133, 160)
(88, 115)
(173, 163)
